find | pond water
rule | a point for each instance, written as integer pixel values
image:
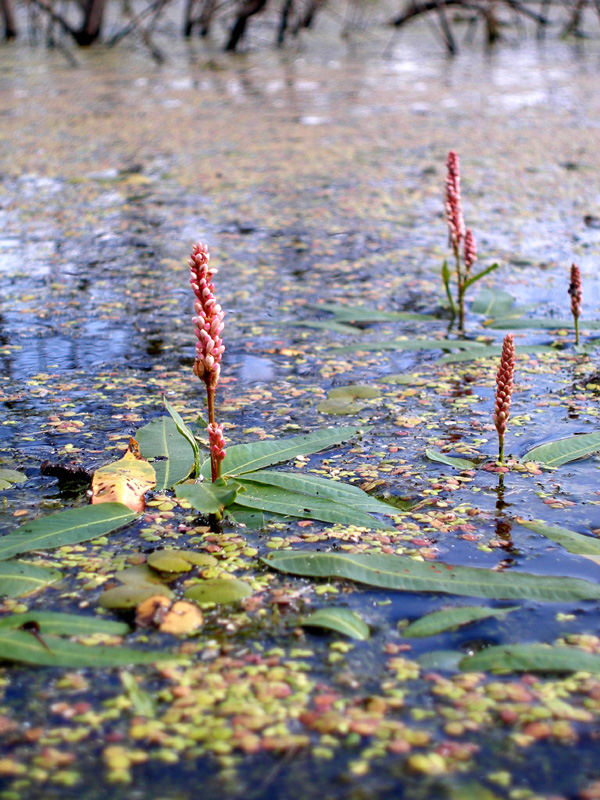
(316, 176)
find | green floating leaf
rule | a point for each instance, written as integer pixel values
(160, 439)
(219, 590)
(492, 302)
(242, 458)
(18, 579)
(576, 543)
(140, 574)
(131, 595)
(503, 324)
(179, 560)
(360, 390)
(65, 528)
(444, 660)
(55, 622)
(142, 702)
(457, 463)
(449, 618)
(294, 504)
(561, 451)
(345, 493)
(403, 380)
(413, 344)
(185, 432)
(207, 497)
(364, 314)
(406, 574)
(24, 647)
(252, 519)
(326, 325)
(492, 351)
(340, 406)
(446, 282)
(8, 477)
(531, 658)
(340, 620)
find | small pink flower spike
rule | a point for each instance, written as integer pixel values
(576, 293)
(504, 387)
(470, 250)
(217, 448)
(454, 214)
(208, 321)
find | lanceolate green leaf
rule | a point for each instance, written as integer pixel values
(65, 624)
(340, 620)
(561, 451)
(65, 528)
(18, 579)
(406, 574)
(457, 463)
(537, 324)
(531, 658)
(160, 439)
(364, 314)
(24, 647)
(492, 351)
(242, 458)
(185, 432)
(573, 542)
(490, 302)
(412, 344)
(207, 497)
(294, 504)
(345, 493)
(449, 618)
(328, 325)
(480, 275)
(446, 282)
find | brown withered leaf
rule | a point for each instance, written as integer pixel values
(125, 481)
(176, 618)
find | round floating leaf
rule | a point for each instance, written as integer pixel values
(130, 596)
(140, 574)
(340, 620)
(561, 451)
(179, 560)
(340, 406)
(8, 477)
(219, 590)
(355, 390)
(447, 619)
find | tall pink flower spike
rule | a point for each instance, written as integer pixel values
(504, 387)
(454, 214)
(576, 293)
(470, 251)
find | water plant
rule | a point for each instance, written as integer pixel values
(460, 237)
(504, 387)
(576, 294)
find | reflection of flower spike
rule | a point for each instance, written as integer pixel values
(217, 447)
(504, 387)
(454, 214)
(208, 320)
(470, 250)
(576, 293)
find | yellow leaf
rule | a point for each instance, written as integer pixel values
(125, 481)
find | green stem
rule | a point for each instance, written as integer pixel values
(460, 291)
(576, 329)
(501, 447)
(215, 466)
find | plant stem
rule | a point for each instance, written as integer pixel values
(460, 291)
(215, 464)
(576, 319)
(501, 448)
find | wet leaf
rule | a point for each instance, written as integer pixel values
(140, 574)
(449, 618)
(242, 458)
(176, 618)
(22, 646)
(125, 481)
(406, 574)
(131, 595)
(355, 390)
(345, 493)
(531, 658)
(65, 528)
(444, 660)
(61, 624)
(18, 579)
(327, 325)
(207, 497)
(412, 344)
(340, 406)
(294, 504)
(561, 451)
(8, 477)
(253, 520)
(143, 703)
(492, 351)
(457, 463)
(539, 324)
(364, 314)
(340, 620)
(186, 433)
(219, 590)
(160, 439)
(576, 543)
(179, 560)
(492, 302)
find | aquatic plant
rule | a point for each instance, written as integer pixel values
(208, 324)
(576, 294)
(504, 387)
(464, 261)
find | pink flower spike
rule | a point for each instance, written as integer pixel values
(454, 214)
(504, 387)
(576, 293)
(208, 321)
(470, 250)
(216, 442)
